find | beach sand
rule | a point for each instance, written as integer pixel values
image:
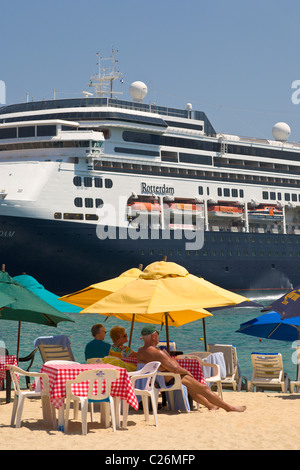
(271, 421)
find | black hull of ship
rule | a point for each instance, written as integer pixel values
(68, 256)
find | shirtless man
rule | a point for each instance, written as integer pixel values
(199, 392)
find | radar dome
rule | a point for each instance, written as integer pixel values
(138, 91)
(281, 131)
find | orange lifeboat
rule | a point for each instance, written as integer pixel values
(265, 212)
(225, 211)
(182, 207)
(136, 208)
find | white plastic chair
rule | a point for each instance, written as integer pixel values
(214, 379)
(109, 375)
(170, 389)
(94, 360)
(146, 390)
(20, 396)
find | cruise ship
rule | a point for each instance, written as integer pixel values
(92, 186)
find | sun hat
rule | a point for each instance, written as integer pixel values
(149, 330)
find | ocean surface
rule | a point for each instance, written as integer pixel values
(220, 328)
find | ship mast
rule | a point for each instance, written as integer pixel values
(103, 81)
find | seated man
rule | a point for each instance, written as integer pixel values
(199, 392)
(97, 347)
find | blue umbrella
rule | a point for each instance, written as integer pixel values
(288, 305)
(272, 326)
(38, 289)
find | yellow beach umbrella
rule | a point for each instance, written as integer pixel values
(91, 294)
(165, 293)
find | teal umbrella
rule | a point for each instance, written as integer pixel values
(27, 306)
(38, 289)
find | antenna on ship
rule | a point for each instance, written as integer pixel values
(103, 80)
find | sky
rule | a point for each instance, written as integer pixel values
(235, 60)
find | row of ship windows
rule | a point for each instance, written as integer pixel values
(255, 165)
(155, 139)
(158, 140)
(89, 182)
(47, 145)
(226, 192)
(27, 131)
(73, 216)
(97, 182)
(88, 202)
(106, 165)
(287, 196)
(266, 195)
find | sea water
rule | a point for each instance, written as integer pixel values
(220, 328)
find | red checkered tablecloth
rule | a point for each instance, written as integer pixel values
(6, 361)
(192, 365)
(60, 373)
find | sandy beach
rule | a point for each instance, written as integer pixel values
(270, 422)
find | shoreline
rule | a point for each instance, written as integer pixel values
(271, 422)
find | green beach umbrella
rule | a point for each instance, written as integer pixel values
(26, 306)
(5, 300)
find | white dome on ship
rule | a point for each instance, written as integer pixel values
(281, 131)
(138, 91)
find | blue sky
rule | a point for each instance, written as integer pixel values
(236, 60)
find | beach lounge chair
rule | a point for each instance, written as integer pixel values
(54, 348)
(233, 377)
(143, 381)
(295, 384)
(163, 345)
(215, 378)
(20, 395)
(267, 373)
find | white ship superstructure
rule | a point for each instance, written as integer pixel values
(99, 184)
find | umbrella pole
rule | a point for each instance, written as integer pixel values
(131, 329)
(18, 345)
(298, 357)
(133, 316)
(167, 331)
(204, 334)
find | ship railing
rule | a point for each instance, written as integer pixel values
(259, 230)
(219, 228)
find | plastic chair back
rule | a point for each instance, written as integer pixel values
(230, 356)
(109, 375)
(148, 372)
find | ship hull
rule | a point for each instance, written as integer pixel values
(67, 256)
